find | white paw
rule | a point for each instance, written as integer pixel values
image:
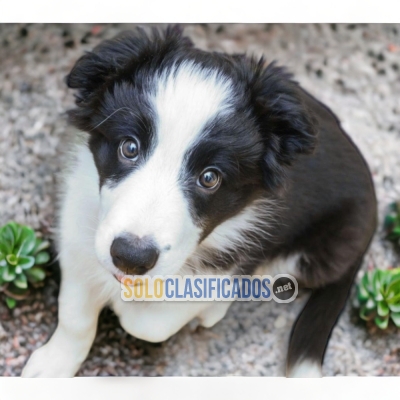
(51, 362)
(213, 314)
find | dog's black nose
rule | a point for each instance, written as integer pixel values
(134, 256)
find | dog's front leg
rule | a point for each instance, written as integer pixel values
(64, 353)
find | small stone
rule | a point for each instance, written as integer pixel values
(280, 322)
(69, 43)
(23, 32)
(3, 333)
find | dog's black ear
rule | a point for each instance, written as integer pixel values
(288, 128)
(128, 49)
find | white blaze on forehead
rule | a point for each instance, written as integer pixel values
(186, 99)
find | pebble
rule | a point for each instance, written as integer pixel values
(3, 333)
(280, 322)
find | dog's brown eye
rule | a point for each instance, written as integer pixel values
(209, 179)
(129, 148)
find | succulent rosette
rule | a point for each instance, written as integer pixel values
(378, 296)
(392, 224)
(22, 256)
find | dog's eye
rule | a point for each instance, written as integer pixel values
(129, 148)
(209, 179)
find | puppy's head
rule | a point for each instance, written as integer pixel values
(183, 140)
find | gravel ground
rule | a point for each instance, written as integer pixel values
(355, 69)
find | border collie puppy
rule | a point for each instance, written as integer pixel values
(199, 163)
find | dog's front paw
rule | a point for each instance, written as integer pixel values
(213, 314)
(50, 362)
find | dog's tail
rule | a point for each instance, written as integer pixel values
(311, 331)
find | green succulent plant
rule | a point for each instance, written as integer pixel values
(22, 255)
(392, 223)
(378, 296)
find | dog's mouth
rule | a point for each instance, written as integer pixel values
(118, 277)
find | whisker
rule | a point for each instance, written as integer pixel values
(105, 119)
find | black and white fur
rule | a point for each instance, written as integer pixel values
(294, 195)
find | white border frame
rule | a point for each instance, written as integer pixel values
(174, 388)
(183, 11)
